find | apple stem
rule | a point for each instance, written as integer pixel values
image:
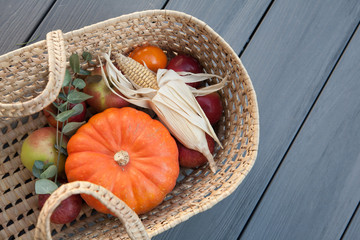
(122, 157)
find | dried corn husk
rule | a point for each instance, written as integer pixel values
(172, 100)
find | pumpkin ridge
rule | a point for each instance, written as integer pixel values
(132, 134)
(130, 195)
(100, 138)
(145, 175)
(84, 135)
(73, 165)
(144, 186)
(115, 134)
(146, 147)
(146, 120)
(145, 160)
(138, 136)
(87, 162)
(88, 198)
(150, 177)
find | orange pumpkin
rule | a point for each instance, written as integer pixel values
(127, 152)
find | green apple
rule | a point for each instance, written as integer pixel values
(40, 145)
(103, 97)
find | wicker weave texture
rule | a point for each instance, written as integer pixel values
(197, 190)
(28, 81)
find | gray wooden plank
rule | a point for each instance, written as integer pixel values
(289, 58)
(233, 20)
(18, 19)
(72, 15)
(353, 230)
(316, 190)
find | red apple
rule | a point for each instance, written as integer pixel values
(103, 97)
(212, 106)
(51, 120)
(66, 212)
(40, 145)
(185, 63)
(191, 158)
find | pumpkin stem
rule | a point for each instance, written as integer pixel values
(122, 157)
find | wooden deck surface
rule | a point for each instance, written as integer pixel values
(303, 57)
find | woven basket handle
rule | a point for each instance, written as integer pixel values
(127, 216)
(57, 66)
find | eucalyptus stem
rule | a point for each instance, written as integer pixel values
(57, 129)
(58, 157)
(57, 144)
(61, 137)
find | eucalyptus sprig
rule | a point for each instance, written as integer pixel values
(44, 172)
(70, 94)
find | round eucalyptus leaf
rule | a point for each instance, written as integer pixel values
(45, 186)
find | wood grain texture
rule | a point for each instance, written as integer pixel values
(18, 19)
(72, 15)
(233, 20)
(289, 58)
(316, 190)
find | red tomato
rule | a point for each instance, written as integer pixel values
(152, 56)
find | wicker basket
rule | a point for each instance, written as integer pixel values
(30, 79)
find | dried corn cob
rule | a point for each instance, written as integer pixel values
(137, 73)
